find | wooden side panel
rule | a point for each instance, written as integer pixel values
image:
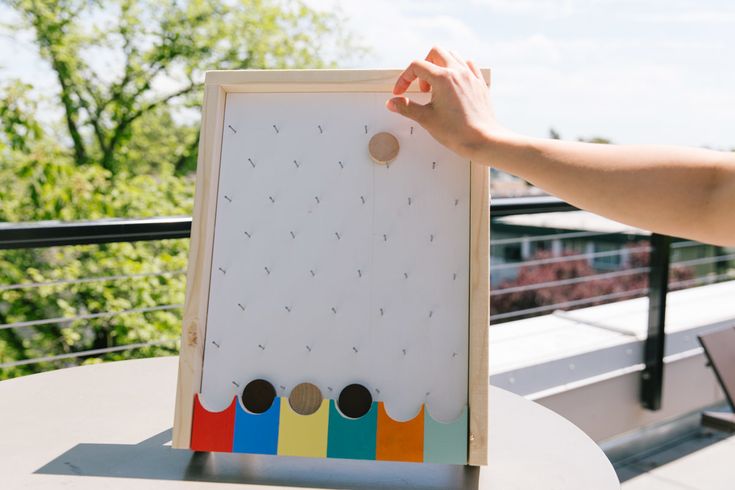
(200, 253)
(479, 313)
(310, 80)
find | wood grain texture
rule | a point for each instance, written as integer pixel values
(193, 329)
(383, 148)
(479, 313)
(310, 80)
(305, 399)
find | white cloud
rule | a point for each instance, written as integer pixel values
(545, 8)
(689, 17)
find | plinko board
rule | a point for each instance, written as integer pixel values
(337, 301)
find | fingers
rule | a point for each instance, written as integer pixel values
(421, 69)
(442, 57)
(408, 108)
(474, 69)
(458, 58)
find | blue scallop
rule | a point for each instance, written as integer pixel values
(257, 433)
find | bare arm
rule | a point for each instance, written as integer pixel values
(686, 192)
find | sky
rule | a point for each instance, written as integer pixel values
(644, 71)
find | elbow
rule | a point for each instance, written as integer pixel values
(717, 213)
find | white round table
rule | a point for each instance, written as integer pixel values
(108, 426)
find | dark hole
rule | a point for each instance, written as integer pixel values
(258, 395)
(354, 401)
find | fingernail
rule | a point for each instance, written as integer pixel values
(390, 105)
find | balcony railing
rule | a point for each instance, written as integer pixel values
(557, 269)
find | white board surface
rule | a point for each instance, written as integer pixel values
(328, 268)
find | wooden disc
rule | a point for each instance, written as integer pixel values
(305, 399)
(383, 148)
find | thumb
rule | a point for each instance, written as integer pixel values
(407, 107)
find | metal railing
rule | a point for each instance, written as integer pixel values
(54, 234)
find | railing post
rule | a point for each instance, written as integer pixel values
(658, 286)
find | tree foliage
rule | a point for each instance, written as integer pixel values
(117, 61)
(129, 77)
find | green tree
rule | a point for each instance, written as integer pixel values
(129, 77)
(159, 52)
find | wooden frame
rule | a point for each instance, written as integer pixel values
(217, 85)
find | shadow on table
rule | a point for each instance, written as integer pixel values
(152, 459)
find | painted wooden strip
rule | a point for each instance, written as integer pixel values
(303, 435)
(445, 442)
(399, 441)
(352, 438)
(212, 431)
(257, 433)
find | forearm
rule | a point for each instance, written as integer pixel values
(686, 192)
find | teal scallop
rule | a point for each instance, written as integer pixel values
(352, 438)
(446, 443)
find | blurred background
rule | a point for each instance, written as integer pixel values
(99, 115)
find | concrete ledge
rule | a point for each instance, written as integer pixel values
(585, 364)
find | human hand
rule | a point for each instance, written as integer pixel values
(460, 114)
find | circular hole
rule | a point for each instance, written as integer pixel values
(258, 396)
(354, 401)
(305, 399)
(383, 148)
